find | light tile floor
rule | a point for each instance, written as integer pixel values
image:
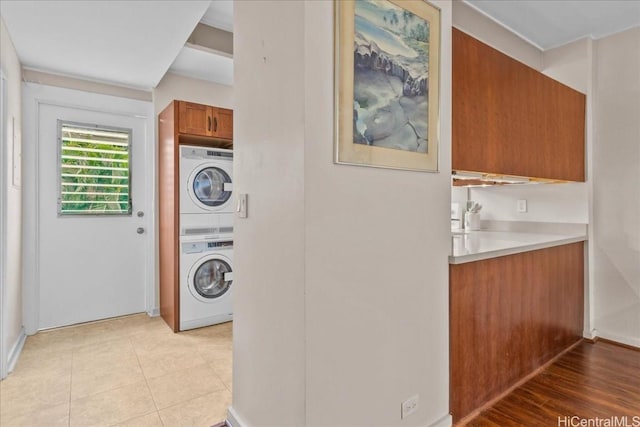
(128, 371)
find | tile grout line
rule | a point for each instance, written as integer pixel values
(224, 383)
(180, 402)
(208, 365)
(79, 342)
(226, 386)
(70, 383)
(146, 380)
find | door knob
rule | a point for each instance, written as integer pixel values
(140, 230)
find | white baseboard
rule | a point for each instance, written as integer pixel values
(15, 351)
(154, 312)
(590, 335)
(233, 419)
(627, 340)
(446, 421)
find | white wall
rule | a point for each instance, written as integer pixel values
(342, 311)
(13, 268)
(376, 271)
(570, 64)
(59, 80)
(269, 165)
(173, 86)
(616, 193)
(567, 203)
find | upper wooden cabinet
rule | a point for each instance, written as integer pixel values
(194, 119)
(223, 123)
(205, 120)
(510, 119)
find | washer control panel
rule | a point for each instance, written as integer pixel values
(198, 247)
(188, 152)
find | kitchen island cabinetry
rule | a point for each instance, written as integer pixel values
(510, 119)
(510, 315)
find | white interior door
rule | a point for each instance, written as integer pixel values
(90, 266)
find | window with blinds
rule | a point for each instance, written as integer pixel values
(95, 170)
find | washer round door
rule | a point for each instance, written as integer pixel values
(207, 187)
(211, 279)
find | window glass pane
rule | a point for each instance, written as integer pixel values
(94, 170)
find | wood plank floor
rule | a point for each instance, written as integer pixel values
(600, 380)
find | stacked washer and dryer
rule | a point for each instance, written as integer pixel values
(206, 236)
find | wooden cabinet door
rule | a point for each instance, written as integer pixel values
(195, 119)
(563, 132)
(223, 123)
(508, 118)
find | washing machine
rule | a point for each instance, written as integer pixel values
(206, 278)
(206, 180)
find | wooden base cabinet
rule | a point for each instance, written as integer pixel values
(181, 123)
(509, 316)
(508, 118)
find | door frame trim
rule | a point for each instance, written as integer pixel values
(3, 226)
(35, 96)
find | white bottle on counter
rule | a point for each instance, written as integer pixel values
(472, 221)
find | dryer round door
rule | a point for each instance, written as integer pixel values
(209, 187)
(210, 278)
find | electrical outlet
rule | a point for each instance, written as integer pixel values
(522, 206)
(410, 406)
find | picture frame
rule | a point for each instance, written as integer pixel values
(387, 84)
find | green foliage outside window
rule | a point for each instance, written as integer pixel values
(94, 170)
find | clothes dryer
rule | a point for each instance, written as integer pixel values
(206, 180)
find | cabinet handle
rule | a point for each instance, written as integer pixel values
(215, 124)
(209, 123)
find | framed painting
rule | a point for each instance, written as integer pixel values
(387, 83)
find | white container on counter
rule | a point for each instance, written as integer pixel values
(472, 221)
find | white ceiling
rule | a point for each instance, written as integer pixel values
(219, 15)
(134, 43)
(201, 63)
(130, 43)
(549, 24)
(204, 65)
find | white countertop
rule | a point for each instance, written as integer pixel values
(479, 245)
